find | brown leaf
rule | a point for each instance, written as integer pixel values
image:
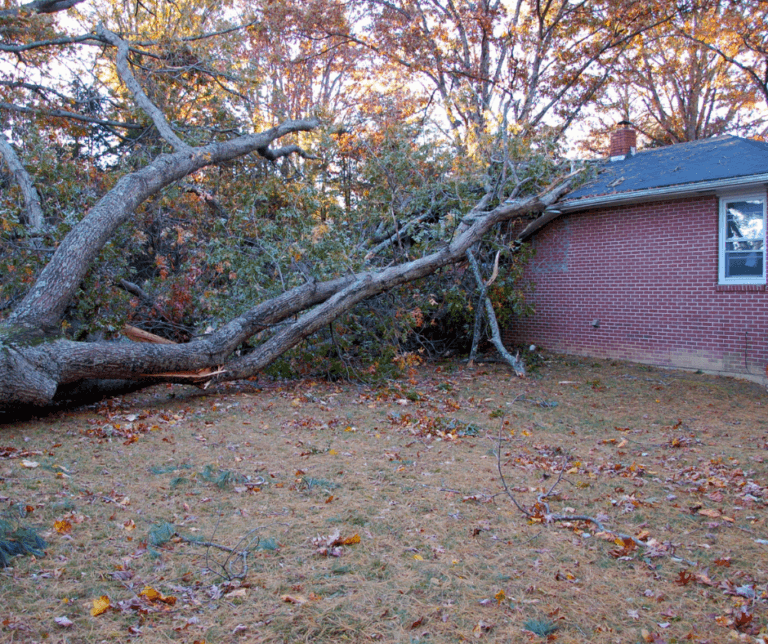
(294, 599)
(712, 514)
(684, 578)
(742, 618)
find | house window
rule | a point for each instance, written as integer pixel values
(742, 239)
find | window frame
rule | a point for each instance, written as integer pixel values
(722, 235)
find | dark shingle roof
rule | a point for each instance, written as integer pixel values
(684, 164)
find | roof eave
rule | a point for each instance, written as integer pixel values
(637, 196)
(684, 190)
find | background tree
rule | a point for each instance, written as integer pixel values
(735, 31)
(677, 88)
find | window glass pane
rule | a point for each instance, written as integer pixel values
(744, 220)
(744, 264)
(744, 245)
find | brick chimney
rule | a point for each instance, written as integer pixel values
(623, 141)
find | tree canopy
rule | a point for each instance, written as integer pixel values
(298, 186)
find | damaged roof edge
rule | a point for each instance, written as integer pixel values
(637, 196)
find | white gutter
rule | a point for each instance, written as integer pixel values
(652, 194)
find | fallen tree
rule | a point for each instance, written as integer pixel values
(34, 366)
(39, 366)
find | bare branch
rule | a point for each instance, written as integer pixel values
(158, 118)
(512, 361)
(52, 42)
(70, 115)
(33, 211)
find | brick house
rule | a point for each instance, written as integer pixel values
(660, 259)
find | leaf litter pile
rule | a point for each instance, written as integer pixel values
(590, 502)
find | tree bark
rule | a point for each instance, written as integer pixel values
(33, 211)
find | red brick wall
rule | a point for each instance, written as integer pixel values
(649, 274)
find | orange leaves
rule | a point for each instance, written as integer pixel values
(147, 601)
(349, 541)
(100, 606)
(330, 545)
(626, 547)
(64, 525)
(153, 595)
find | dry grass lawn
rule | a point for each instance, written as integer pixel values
(326, 512)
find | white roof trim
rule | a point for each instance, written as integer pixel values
(683, 190)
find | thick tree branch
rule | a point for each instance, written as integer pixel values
(43, 306)
(372, 283)
(33, 211)
(142, 100)
(61, 362)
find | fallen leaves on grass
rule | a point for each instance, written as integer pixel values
(154, 596)
(330, 545)
(294, 599)
(481, 629)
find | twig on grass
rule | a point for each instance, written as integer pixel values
(549, 517)
(236, 554)
(501, 471)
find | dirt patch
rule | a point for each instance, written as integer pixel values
(320, 512)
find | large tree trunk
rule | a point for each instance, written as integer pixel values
(35, 366)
